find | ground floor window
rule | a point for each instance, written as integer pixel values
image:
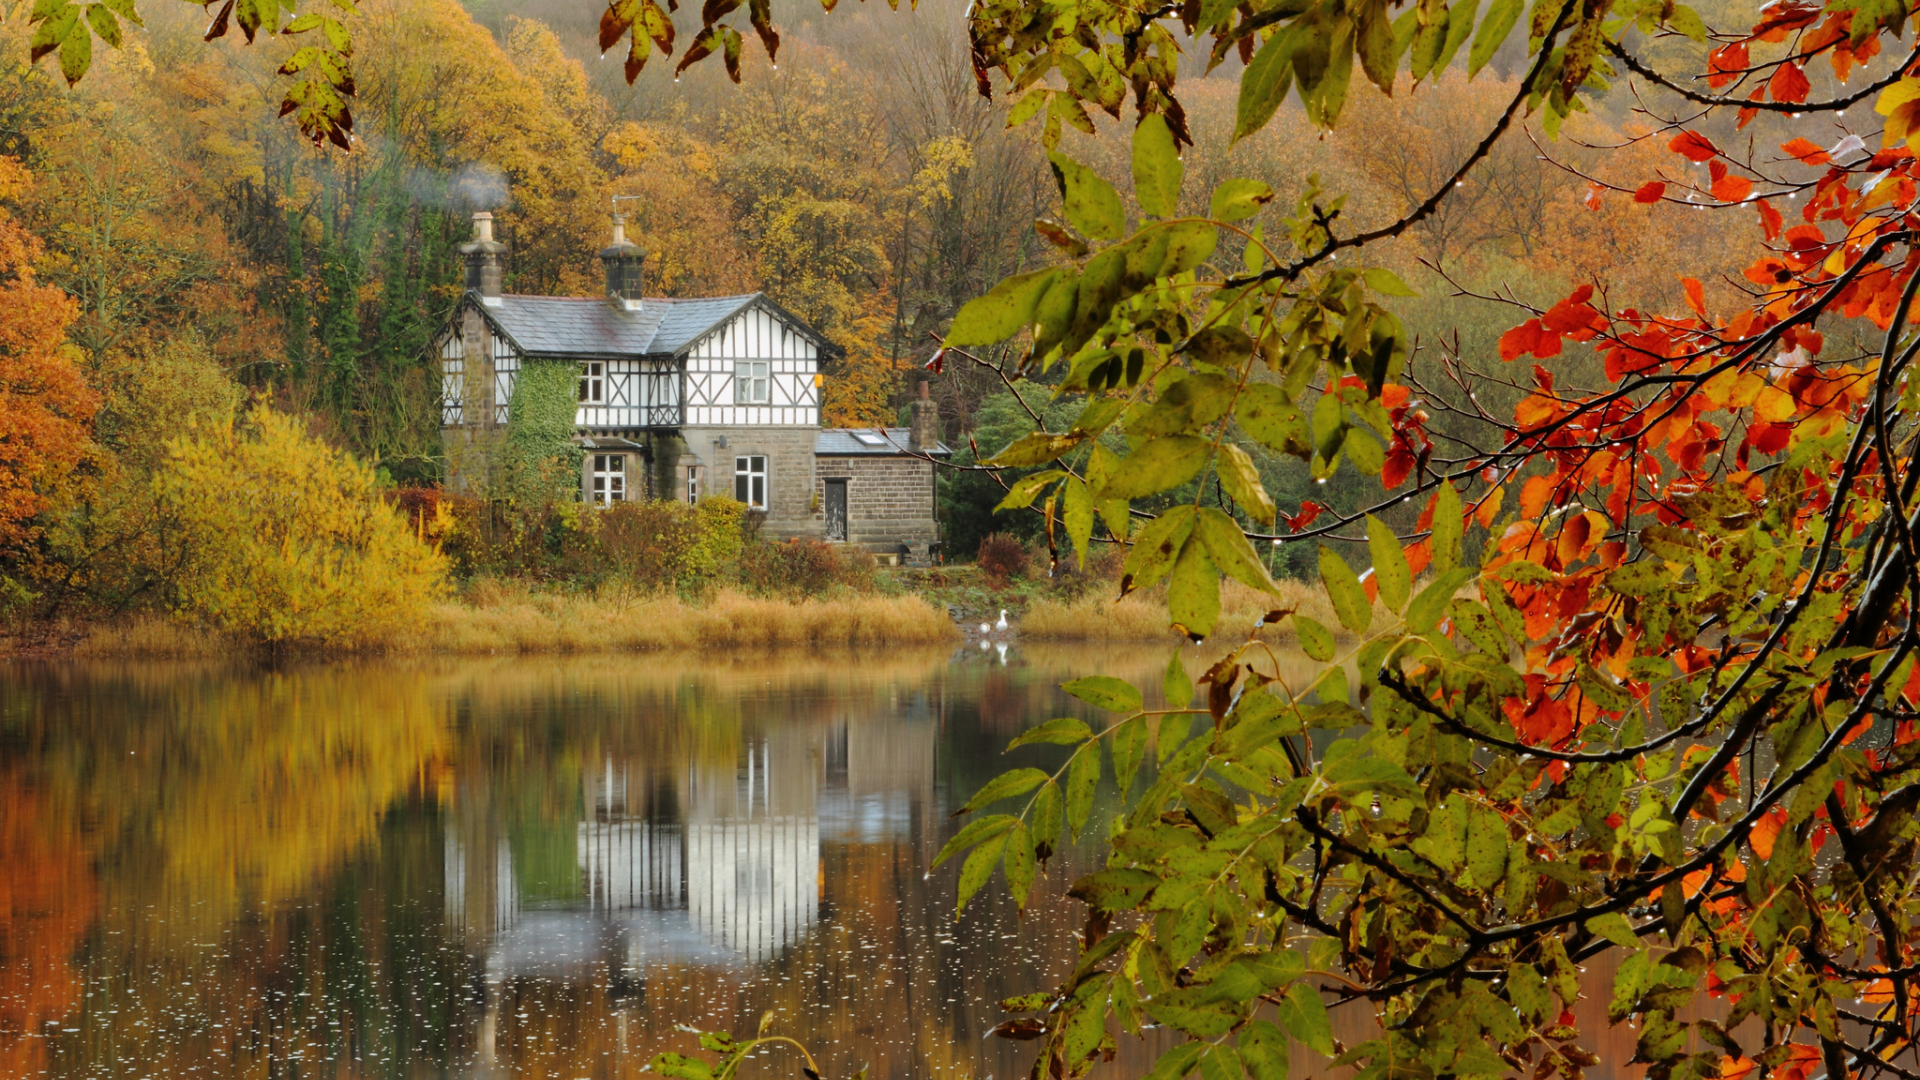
(693, 484)
(609, 479)
(750, 481)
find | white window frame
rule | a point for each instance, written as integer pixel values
(752, 382)
(593, 383)
(609, 484)
(693, 484)
(750, 480)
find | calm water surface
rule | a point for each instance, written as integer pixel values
(531, 868)
(523, 868)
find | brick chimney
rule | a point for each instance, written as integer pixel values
(625, 264)
(484, 256)
(925, 433)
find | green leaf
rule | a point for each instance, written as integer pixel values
(1158, 464)
(1527, 990)
(1157, 547)
(978, 868)
(1157, 171)
(1230, 551)
(1189, 243)
(1117, 515)
(1501, 15)
(1264, 85)
(1427, 609)
(1343, 588)
(1459, 29)
(1172, 733)
(1386, 282)
(1019, 863)
(1005, 786)
(1265, 413)
(1315, 640)
(1374, 39)
(1486, 847)
(1023, 491)
(1352, 772)
(1688, 22)
(1175, 686)
(1615, 928)
(1037, 448)
(680, 1067)
(1177, 1062)
(1305, 1017)
(1083, 776)
(1077, 511)
(1449, 523)
(104, 24)
(1263, 1051)
(1105, 692)
(1193, 593)
(1063, 731)
(76, 55)
(1364, 451)
(1390, 571)
(1007, 309)
(1090, 203)
(1241, 478)
(985, 828)
(1237, 200)
(1129, 750)
(1046, 815)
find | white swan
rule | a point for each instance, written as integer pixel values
(1002, 624)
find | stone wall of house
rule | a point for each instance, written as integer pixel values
(889, 502)
(792, 508)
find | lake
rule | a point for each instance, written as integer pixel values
(533, 867)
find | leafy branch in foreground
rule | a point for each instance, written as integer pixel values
(732, 1052)
(1667, 710)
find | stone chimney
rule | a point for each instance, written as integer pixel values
(625, 264)
(484, 256)
(924, 435)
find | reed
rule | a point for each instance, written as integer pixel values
(1142, 616)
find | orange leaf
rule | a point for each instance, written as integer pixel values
(1770, 220)
(1529, 337)
(1694, 146)
(1696, 295)
(1789, 83)
(1725, 64)
(1766, 831)
(1732, 188)
(1735, 1068)
(1650, 192)
(1593, 196)
(1806, 151)
(1573, 539)
(1533, 496)
(1489, 507)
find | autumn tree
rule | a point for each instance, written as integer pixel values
(1646, 685)
(45, 406)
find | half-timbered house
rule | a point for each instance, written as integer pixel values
(680, 398)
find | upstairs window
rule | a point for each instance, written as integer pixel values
(609, 479)
(751, 382)
(593, 383)
(750, 481)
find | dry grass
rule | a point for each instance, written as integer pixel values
(501, 619)
(1142, 616)
(494, 619)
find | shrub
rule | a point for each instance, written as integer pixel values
(803, 568)
(1002, 558)
(286, 539)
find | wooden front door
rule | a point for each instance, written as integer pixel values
(836, 510)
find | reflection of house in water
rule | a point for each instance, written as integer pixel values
(686, 863)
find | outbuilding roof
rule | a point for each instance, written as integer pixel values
(856, 442)
(565, 326)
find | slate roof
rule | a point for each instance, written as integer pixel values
(564, 326)
(842, 442)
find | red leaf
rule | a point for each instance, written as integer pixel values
(1650, 192)
(1524, 339)
(1694, 146)
(1398, 464)
(1770, 220)
(1732, 188)
(1789, 83)
(1696, 295)
(1806, 152)
(1725, 64)
(1593, 196)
